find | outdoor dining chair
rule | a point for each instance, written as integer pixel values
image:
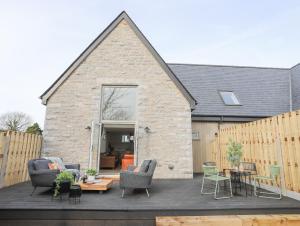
(249, 166)
(213, 164)
(211, 173)
(274, 173)
(250, 171)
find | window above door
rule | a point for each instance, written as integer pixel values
(118, 103)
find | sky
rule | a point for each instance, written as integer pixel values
(40, 39)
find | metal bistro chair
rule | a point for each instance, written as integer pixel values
(211, 173)
(250, 171)
(274, 173)
(249, 166)
(213, 164)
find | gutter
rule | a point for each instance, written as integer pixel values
(225, 118)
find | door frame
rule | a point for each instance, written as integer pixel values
(118, 124)
(92, 142)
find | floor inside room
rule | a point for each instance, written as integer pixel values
(117, 149)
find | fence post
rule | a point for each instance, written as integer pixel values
(41, 146)
(280, 158)
(6, 144)
(219, 146)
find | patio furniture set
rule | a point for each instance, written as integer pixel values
(238, 177)
(245, 176)
(132, 178)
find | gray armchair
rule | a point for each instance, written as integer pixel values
(41, 175)
(141, 179)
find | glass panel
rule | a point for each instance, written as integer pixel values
(118, 103)
(125, 138)
(229, 98)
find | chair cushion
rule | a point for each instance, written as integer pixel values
(52, 166)
(41, 164)
(145, 166)
(58, 161)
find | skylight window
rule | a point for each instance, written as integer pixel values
(229, 98)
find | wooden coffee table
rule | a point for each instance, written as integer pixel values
(100, 185)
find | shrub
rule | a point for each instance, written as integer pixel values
(234, 153)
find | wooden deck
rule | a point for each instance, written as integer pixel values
(168, 198)
(232, 220)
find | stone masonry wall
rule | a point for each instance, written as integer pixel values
(122, 59)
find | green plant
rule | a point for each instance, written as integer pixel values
(91, 172)
(234, 153)
(62, 177)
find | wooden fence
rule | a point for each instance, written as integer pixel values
(16, 148)
(274, 140)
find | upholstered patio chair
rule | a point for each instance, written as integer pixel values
(42, 176)
(130, 179)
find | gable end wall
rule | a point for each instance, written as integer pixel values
(122, 59)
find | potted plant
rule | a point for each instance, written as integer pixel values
(234, 153)
(91, 173)
(63, 182)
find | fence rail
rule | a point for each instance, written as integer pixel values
(16, 148)
(274, 140)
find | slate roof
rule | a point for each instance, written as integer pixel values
(261, 91)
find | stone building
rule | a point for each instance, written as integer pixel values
(120, 98)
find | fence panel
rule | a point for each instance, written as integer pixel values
(274, 140)
(16, 148)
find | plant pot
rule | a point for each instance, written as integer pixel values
(91, 178)
(75, 191)
(64, 187)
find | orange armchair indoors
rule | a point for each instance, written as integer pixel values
(127, 160)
